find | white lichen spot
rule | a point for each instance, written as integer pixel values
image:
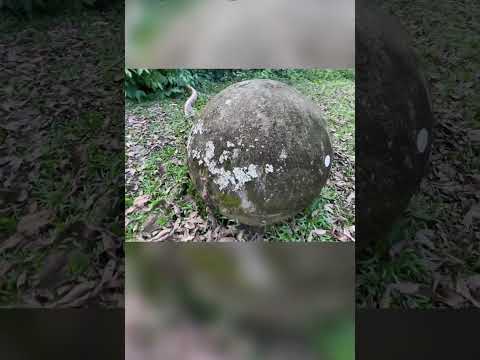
(198, 127)
(223, 181)
(228, 102)
(422, 140)
(236, 153)
(252, 170)
(241, 175)
(225, 155)
(238, 177)
(268, 168)
(245, 203)
(327, 161)
(283, 154)
(196, 154)
(256, 139)
(233, 179)
(209, 151)
(229, 144)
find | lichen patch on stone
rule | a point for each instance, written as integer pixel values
(244, 175)
(268, 168)
(209, 150)
(234, 179)
(236, 153)
(422, 140)
(196, 154)
(283, 154)
(229, 144)
(327, 161)
(225, 156)
(245, 203)
(198, 127)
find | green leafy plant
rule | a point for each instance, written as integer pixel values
(139, 83)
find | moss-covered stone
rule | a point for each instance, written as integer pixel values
(394, 123)
(260, 152)
(229, 201)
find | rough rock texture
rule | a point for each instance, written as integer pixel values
(260, 152)
(394, 123)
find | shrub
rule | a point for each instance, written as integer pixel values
(140, 83)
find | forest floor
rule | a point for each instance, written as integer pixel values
(161, 203)
(60, 243)
(438, 263)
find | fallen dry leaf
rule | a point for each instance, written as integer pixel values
(462, 289)
(107, 273)
(5, 266)
(473, 213)
(22, 279)
(226, 239)
(316, 232)
(108, 243)
(405, 287)
(473, 282)
(51, 271)
(76, 292)
(450, 297)
(32, 223)
(342, 235)
(151, 224)
(11, 242)
(138, 204)
(162, 235)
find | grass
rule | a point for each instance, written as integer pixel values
(163, 174)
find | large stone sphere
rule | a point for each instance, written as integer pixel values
(260, 152)
(394, 123)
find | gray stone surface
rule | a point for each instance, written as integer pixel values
(394, 123)
(260, 152)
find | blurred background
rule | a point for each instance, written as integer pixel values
(239, 33)
(239, 302)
